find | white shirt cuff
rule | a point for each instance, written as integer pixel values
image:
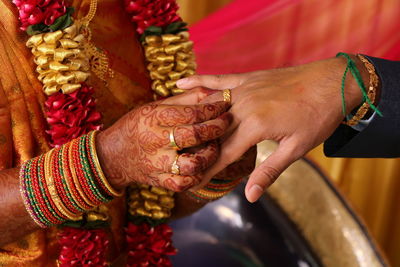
(362, 124)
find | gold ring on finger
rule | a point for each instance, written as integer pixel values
(172, 141)
(227, 95)
(175, 166)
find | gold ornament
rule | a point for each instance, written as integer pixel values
(170, 57)
(99, 213)
(150, 201)
(61, 61)
(64, 57)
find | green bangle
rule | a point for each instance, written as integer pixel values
(32, 199)
(88, 173)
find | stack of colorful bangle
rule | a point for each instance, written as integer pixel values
(214, 190)
(63, 183)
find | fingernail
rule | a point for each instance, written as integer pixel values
(182, 82)
(254, 193)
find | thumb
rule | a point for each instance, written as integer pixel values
(269, 170)
(217, 82)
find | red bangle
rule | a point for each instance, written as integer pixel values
(47, 192)
(79, 171)
(80, 202)
(58, 181)
(37, 194)
(75, 178)
(46, 209)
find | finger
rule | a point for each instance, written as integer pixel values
(218, 82)
(177, 183)
(188, 114)
(190, 97)
(231, 150)
(268, 171)
(217, 96)
(193, 164)
(196, 134)
(212, 98)
(240, 168)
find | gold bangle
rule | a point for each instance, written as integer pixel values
(92, 136)
(373, 85)
(75, 178)
(211, 195)
(53, 191)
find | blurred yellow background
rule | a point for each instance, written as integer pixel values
(371, 185)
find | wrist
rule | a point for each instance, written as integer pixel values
(352, 91)
(106, 156)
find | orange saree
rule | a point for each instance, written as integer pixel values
(22, 120)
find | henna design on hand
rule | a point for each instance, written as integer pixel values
(195, 163)
(136, 148)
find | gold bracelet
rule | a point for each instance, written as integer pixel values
(211, 195)
(75, 178)
(92, 136)
(53, 191)
(373, 85)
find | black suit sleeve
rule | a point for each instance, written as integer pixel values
(381, 138)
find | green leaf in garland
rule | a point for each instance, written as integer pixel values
(176, 27)
(36, 29)
(59, 24)
(153, 30)
(88, 225)
(63, 21)
(172, 28)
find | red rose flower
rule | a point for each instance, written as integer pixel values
(81, 247)
(147, 13)
(33, 12)
(71, 115)
(149, 246)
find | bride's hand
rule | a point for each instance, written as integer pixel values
(137, 147)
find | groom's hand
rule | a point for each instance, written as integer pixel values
(298, 107)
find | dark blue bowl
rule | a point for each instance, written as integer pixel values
(233, 232)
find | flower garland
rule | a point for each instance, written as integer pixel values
(71, 115)
(149, 246)
(169, 56)
(37, 12)
(152, 13)
(61, 47)
(147, 235)
(82, 247)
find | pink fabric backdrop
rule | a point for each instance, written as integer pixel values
(248, 35)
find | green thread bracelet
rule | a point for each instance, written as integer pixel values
(351, 65)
